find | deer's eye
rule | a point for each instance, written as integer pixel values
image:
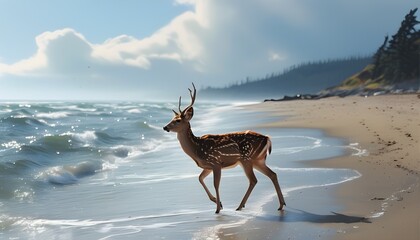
(178, 120)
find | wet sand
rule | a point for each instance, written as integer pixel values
(384, 203)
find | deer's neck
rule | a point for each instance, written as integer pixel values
(189, 142)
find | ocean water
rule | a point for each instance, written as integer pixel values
(72, 170)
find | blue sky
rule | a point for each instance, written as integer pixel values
(148, 50)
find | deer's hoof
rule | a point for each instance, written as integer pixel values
(240, 208)
(281, 206)
(215, 201)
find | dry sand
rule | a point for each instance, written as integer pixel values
(388, 127)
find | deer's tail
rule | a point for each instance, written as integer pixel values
(266, 150)
(268, 146)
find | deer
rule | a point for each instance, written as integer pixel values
(213, 153)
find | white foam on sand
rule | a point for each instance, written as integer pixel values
(110, 227)
(386, 202)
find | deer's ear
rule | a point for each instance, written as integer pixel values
(188, 113)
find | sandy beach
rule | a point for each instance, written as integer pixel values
(385, 201)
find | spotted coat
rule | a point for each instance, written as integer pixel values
(227, 149)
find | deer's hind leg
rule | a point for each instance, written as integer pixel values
(249, 172)
(217, 172)
(263, 168)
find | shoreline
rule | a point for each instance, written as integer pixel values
(388, 193)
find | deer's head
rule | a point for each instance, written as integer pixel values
(181, 120)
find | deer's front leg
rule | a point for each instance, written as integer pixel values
(217, 173)
(203, 175)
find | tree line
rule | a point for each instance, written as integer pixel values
(305, 69)
(309, 77)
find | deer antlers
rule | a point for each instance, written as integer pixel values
(192, 94)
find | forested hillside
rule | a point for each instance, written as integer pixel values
(395, 66)
(305, 78)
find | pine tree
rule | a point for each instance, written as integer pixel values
(398, 59)
(378, 59)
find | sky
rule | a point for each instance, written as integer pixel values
(153, 50)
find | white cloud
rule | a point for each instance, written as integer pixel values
(274, 56)
(178, 41)
(30, 65)
(217, 41)
(223, 38)
(65, 50)
(59, 52)
(186, 2)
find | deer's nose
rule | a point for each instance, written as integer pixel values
(166, 128)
